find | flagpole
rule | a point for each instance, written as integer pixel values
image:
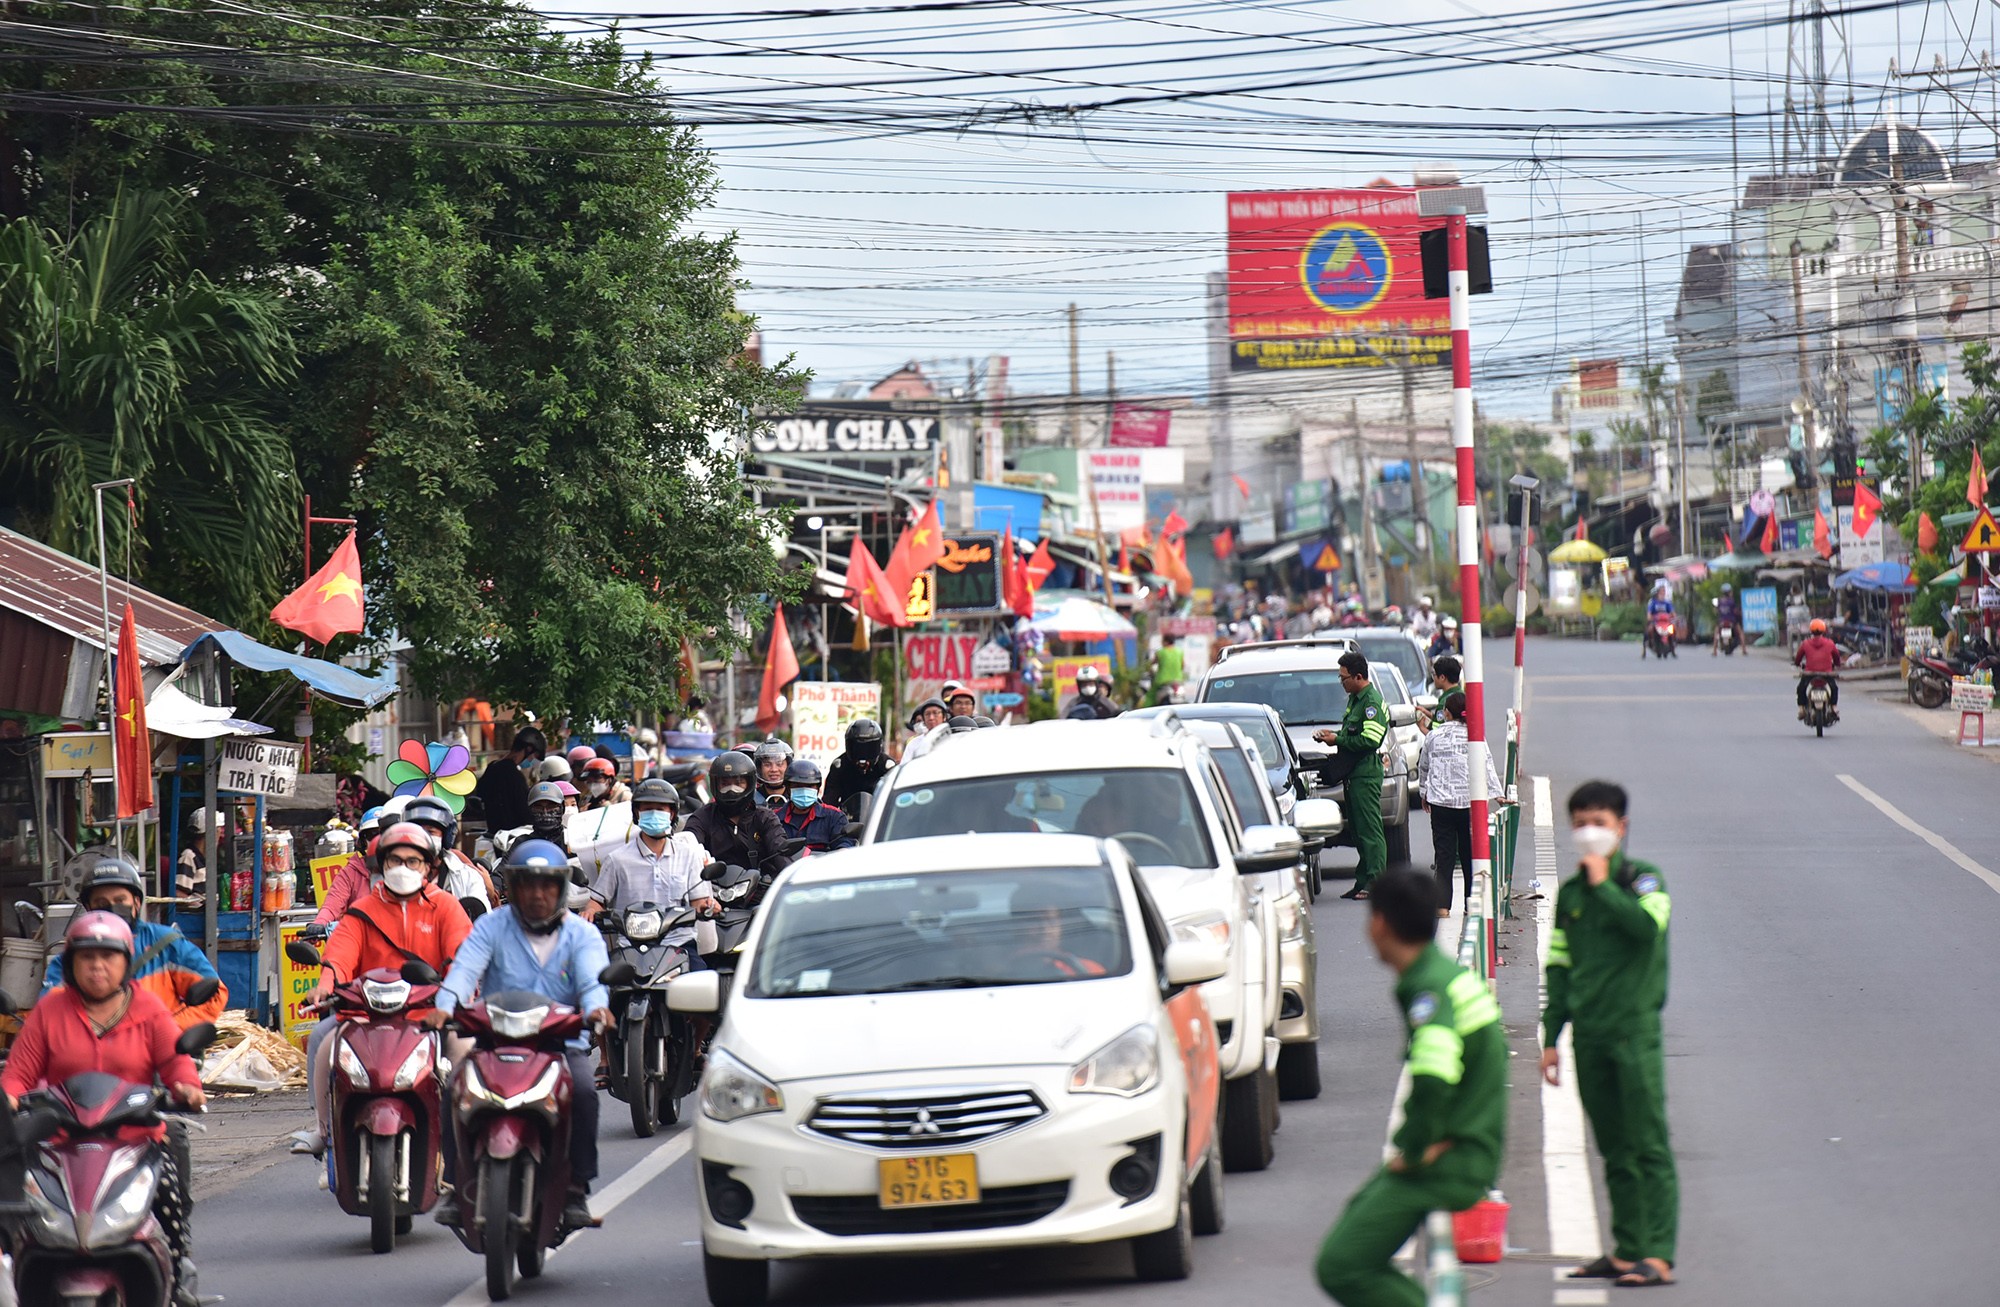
(110, 686)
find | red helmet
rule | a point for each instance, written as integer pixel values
(105, 930)
(600, 767)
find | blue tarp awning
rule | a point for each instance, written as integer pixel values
(1888, 575)
(331, 680)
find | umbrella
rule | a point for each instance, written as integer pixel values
(1576, 551)
(1887, 575)
(1083, 619)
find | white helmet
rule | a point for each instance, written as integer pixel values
(555, 767)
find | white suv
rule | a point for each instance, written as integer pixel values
(1152, 786)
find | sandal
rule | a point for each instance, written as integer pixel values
(1643, 1275)
(1601, 1269)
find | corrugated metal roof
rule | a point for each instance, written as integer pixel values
(60, 592)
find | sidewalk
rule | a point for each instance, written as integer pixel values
(245, 1134)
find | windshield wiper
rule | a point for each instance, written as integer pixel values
(949, 982)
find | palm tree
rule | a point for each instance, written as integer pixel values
(116, 360)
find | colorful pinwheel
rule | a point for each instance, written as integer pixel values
(441, 770)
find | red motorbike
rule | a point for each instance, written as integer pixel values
(1659, 640)
(511, 1109)
(88, 1237)
(386, 1127)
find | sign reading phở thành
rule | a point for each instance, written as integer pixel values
(823, 710)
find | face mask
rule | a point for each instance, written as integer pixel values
(655, 822)
(125, 910)
(596, 789)
(528, 766)
(1594, 841)
(804, 798)
(545, 820)
(402, 880)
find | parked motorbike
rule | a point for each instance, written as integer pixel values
(1660, 637)
(89, 1237)
(387, 1120)
(650, 1052)
(1931, 675)
(1820, 712)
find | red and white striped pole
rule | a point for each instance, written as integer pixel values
(1470, 608)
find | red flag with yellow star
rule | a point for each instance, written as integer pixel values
(330, 602)
(917, 551)
(132, 746)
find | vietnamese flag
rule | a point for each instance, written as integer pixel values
(781, 668)
(1822, 537)
(869, 590)
(1769, 542)
(1040, 564)
(917, 551)
(329, 603)
(1975, 482)
(1224, 542)
(1866, 509)
(132, 746)
(1015, 591)
(1175, 526)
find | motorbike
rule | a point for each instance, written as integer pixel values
(1660, 637)
(511, 1110)
(387, 1119)
(1725, 637)
(1820, 712)
(650, 1052)
(88, 1236)
(1931, 675)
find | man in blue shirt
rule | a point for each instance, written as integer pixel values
(822, 826)
(535, 944)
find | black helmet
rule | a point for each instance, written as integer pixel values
(732, 766)
(655, 790)
(110, 873)
(429, 810)
(983, 721)
(804, 771)
(961, 724)
(536, 860)
(864, 738)
(918, 714)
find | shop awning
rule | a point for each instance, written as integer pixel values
(328, 680)
(1289, 549)
(171, 712)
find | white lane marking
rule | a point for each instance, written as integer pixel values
(1572, 1204)
(1928, 836)
(1581, 1297)
(642, 1173)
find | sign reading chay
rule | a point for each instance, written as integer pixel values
(878, 428)
(257, 767)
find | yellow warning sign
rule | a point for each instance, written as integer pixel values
(1326, 560)
(1984, 537)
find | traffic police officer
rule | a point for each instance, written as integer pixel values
(1449, 1149)
(1607, 974)
(1363, 727)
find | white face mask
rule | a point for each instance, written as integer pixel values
(596, 788)
(1594, 841)
(402, 880)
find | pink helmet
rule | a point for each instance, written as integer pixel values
(105, 930)
(404, 835)
(569, 791)
(581, 754)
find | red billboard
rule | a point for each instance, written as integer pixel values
(1331, 279)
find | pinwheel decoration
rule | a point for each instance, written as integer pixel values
(443, 771)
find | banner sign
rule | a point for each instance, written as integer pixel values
(1331, 279)
(823, 710)
(1760, 610)
(296, 1016)
(256, 767)
(1119, 479)
(72, 753)
(858, 429)
(968, 576)
(1133, 427)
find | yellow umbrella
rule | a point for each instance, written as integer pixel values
(1576, 551)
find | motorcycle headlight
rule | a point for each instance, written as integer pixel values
(53, 1224)
(351, 1066)
(115, 1221)
(472, 1087)
(1127, 1066)
(388, 996)
(420, 1062)
(1209, 928)
(731, 1091)
(516, 1025)
(642, 927)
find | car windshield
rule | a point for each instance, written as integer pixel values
(1247, 788)
(1307, 697)
(942, 930)
(1397, 652)
(1152, 809)
(1257, 728)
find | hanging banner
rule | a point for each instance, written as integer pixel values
(823, 710)
(1118, 477)
(1133, 427)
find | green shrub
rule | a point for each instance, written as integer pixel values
(1498, 620)
(1622, 620)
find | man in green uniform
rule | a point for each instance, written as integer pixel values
(1363, 727)
(1607, 974)
(1455, 1119)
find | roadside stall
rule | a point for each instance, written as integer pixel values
(1871, 602)
(1576, 594)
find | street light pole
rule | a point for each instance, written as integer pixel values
(1527, 485)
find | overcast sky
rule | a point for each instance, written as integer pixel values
(940, 184)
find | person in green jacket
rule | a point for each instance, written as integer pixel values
(1607, 975)
(1363, 727)
(1454, 1131)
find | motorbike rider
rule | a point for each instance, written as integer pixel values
(734, 828)
(462, 878)
(773, 756)
(545, 814)
(929, 716)
(961, 702)
(99, 1019)
(164, 963)
(862, 767)
(651, 864)
(1660, 605)
(535, 944)
(1728, 616)
(601, 786)
(1446, 639)
(820, 825)
(1424, 621)
(1818, 655)
(1091, 703)
(408, 916)
(353, 880)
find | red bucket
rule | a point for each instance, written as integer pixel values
(1480, 1231)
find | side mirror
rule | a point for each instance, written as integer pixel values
(194, 1041)
(1269, 848)
(695, 991)
(302, 953)
(29, 916)
(619, 975)
(1427, 702)
(419, 972)
(201, 991)
(1402, 714)
(474, 909)
(1318, 819)
(1194, 962)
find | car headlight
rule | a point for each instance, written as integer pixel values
(115, 1221)
(642, 927)
(731, 1091)
(386, 995)
(1291, 918)
(351, 1066)
(1128, 1065)
(420, 1063)
(1208, 928)
(55, 1227)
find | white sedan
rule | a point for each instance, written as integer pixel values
(958, 1044)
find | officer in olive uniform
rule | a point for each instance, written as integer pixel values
(1363, 727)
(1607, 975)
(1453, 1138)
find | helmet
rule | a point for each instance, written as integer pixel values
(603, 767)
(429, 810)
(960, 724)
(1088, 675)
(552, 769)
(110, 873)
(393, 808)
(407, 835)
(568, 790)
(748, 748)
(100, 930)
(371, 821)
(1423, 601)
(983, 721)
(1817, 626)
(918, 715)
(949, 688)
(731, 766)
(655, 790)
(804, 771)
(1728, 588)
(536, 860)
(864, 738)
(580, 755)
(648, 737)
(545, 792)
(772, 748)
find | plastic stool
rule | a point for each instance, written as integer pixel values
(1980, 725)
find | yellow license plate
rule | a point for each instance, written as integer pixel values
(941, 1181)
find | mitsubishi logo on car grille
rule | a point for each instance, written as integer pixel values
(923, 1125)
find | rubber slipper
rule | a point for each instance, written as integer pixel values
(1601, 1269)
(1643, 1275)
